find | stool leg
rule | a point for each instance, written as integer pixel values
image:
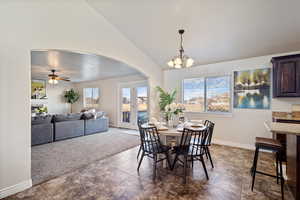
(281, 179)
(254, 166)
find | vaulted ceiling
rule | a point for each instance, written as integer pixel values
(215, 30)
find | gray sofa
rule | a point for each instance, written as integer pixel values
(46, 129)
(41, 130)
(68, 126)
(97, 125)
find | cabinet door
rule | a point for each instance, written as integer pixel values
(287, 79)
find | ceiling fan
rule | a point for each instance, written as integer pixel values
(54, 78)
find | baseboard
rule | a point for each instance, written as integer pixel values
(5, 192)
(233, 144)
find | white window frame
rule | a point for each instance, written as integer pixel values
(205, 94)
(84, 101)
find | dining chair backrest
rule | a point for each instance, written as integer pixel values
(210, 128)
(192, 141)
(150, 139)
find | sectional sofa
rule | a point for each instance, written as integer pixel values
(51, 128)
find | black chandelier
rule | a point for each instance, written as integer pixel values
(181, 61)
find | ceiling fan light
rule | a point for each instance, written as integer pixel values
(50, 81)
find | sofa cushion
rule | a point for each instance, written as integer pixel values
(88, 115)
(46, 119)
(67, 117)
(99, 114)
(93, 115)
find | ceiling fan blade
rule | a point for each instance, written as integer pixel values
(63, 78)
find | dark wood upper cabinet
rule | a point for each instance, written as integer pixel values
(286, 76)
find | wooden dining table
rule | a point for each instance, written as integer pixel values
(171, 136)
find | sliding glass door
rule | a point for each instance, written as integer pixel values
(133, 104)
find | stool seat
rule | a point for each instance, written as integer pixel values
(267, 143)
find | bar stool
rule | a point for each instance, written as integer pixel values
(274, 146)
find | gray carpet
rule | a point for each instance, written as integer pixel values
(54, 159)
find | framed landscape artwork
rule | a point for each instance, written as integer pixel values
(38, 89)
(252, 89)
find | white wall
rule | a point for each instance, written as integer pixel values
(242, 126)
(55, 101)
(29, 25)
(108, 94)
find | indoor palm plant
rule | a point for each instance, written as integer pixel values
(71, 97)
(167, 104)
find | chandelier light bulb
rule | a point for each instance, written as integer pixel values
(189, 62)
(178, 61)
(171, 63)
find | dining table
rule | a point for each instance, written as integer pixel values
(171, 136)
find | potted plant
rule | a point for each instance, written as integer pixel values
(71, 97)
(168, 106)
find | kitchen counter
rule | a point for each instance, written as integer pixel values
(287, 118)
(283, 128)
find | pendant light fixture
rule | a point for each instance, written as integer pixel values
(181, 61)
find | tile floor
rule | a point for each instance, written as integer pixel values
(116, 178)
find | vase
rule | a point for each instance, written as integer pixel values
(171, 122)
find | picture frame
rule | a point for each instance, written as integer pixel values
(252, 89)
(38, 89)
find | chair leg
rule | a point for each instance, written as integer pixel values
(204, 167)
(211, 162)
(277, 176)
(168, 160)
(174, 162)
(192, 160)
(140, 161)
(254, 167)
(185, 168)
(206, 154)
(281, 179)
(154, 166)
(137, 157)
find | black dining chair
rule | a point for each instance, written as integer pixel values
(140, 123)
(191, 148)
(152, 147)
(210, 128)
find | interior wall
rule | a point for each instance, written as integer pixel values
(109, 93)
(30, 25)
(241, 126)
(55, 101)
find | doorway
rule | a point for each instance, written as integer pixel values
(133, 104)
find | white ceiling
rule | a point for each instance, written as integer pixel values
(215, 30)
(78, 67)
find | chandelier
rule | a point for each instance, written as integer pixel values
(181, 61)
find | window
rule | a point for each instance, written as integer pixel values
(90, 97)
(218, 94)
(193, 95)
(210, 94)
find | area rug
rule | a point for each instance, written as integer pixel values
(54, 159)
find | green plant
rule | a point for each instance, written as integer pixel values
(71, 96)
(165, 98)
